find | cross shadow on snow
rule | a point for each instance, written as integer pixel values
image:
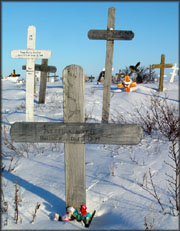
(54, 86)
(52, 202)
(111, 219)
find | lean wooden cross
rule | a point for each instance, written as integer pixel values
(30, 54)
(110, 35)
(162, 65)
(173, 74)
(44, 68)
(74, 133)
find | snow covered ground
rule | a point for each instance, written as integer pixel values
(114, 174)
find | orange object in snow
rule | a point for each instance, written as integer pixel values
(127, 84)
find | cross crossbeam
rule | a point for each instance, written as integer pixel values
(44, 68)
(110, 35)
(82, 133)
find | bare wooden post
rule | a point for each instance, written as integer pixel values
(110, 35)
(162, 65)
(108, 67)
(43, 81)
(73, 82)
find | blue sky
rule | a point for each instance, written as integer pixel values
(62, 27)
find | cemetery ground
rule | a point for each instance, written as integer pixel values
(129, 186)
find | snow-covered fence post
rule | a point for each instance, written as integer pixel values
(162, 66)
(31, 55)
(110, 35)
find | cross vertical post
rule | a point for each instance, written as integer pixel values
(108, 67)
(30, 75)
(43, 82)
(74, 111)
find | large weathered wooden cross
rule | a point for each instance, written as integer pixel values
(74, 133)
(31, 55)
(162, 66)
(44, 69)
(110, 35)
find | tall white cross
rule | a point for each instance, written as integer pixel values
(175, 68)
(31, 55)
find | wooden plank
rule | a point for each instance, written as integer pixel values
(74, 111)
(40, 67)
(30, 75)
(108, 68)
(43, 82)
(162, 65)
(86, 133)
(110, 34)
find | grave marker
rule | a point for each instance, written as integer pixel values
(44, 69)
(74, 133)
(30, 54)
(110, 35)
(173, 74)
(162, 66)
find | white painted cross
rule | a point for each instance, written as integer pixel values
(31, 55)
(173, 74)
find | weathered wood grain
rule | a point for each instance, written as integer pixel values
(86, 133)
(110, 35)
(43, 82)
(108, 68)
(74, 111)
(41, 67)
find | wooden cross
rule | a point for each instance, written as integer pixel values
(44, 68)
(91, 78)
(30, 54)
(175, 68)
(74, 133)
(110, 35)
(162, 65)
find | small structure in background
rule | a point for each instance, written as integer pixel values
(90, 78)
(14, 74)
